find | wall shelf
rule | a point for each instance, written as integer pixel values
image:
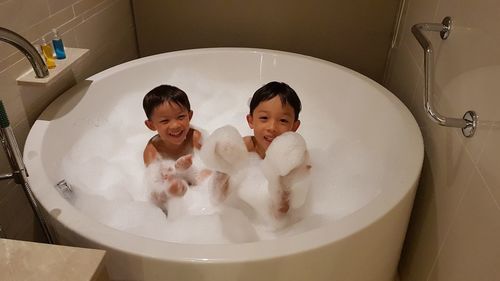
(73, 55)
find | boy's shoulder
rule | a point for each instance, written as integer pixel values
(150, 152)
(196, 138)
(249, 143)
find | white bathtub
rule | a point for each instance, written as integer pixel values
(373, 141)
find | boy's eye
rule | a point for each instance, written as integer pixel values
(263, 118)
(164, 121)
(181, 117)
(284, 120)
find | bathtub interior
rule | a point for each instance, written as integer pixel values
(368, 139)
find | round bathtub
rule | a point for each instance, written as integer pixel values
(373, 143)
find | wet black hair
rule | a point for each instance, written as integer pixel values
(164, 93)
(272, 89)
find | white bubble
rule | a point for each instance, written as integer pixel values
(106, 169)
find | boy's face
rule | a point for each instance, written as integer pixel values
(271, 119)
(171, 121)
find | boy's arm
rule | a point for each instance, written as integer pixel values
(249, 143)
(150, 154)
(196, 139)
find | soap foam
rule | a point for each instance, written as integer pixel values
(106, 170)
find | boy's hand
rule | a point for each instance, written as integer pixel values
(280, 209)
(159, 198)
(177, 187)
(184, 162)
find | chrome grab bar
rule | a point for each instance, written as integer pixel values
(469, 121)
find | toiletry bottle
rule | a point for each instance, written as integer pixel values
(48, 54)
(58, 45)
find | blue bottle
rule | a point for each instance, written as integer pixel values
(58, 45)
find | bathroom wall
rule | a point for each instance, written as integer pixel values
(106, 27)
(454, 232)
(356, 33)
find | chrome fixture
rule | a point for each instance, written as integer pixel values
(19, 172)
(468, 123)
(27, 49)
(9, 143)
(64, 188)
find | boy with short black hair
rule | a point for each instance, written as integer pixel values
(169, 114)
(274, 110)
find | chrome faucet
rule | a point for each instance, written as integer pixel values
(27, 49)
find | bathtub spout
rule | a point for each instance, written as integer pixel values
(27, 49)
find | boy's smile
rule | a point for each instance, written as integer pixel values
(270, 119)
(171, 121)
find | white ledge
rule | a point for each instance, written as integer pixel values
(73, 55)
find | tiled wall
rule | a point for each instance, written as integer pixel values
(454, 233)
(105, 27)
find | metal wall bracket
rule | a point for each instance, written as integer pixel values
(468, 123)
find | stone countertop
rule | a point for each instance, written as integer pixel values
(26, 261)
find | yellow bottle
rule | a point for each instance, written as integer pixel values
(48, 54)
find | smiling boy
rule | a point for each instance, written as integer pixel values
(169, 114)
(274, 110)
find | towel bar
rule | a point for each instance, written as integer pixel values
(468, 123)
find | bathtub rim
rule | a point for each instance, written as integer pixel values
(109, 237)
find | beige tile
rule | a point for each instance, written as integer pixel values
(8, 78)
(69, 37)
(85, 5)
(417, 11)
(466, 79)
(57, 5)
(44, 28)
(456, 109)
(481, 15)
(21, 131)
(19, 213)
(41, 27)
(422, 240)
(446, 174)
(67, 27)
(404, 75)
(30, 231)
(9, 58)
(109, 24)
(4, 168)
(15, 110)
(5, 270)
(466, 72)
(32, 12)
(97, 9)
(418, 108)
(472, 250)
(475, 144)
(101, 274)
(35, 262)
(448, 8)
(80, 260)
(451, 168)
(473, 90)
(489, 162)
(7, 187)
